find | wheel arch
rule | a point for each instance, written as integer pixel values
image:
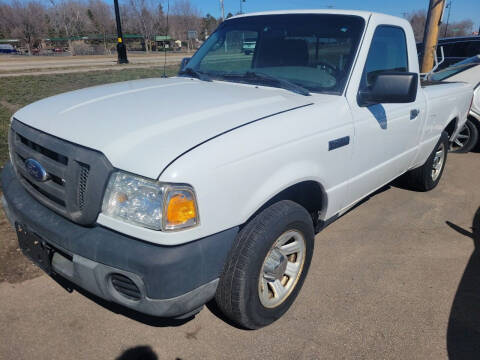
(309, 194)
(451, 128)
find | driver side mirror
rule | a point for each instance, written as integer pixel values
(184, 63)
(390, 87)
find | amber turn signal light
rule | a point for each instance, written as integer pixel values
(181, 209)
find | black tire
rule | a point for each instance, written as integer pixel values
(422, 178)
(238, 292)
(470, 140)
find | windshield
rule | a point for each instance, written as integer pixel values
(456, 68)
(315, 52)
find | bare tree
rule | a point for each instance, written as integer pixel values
(145, 17)
(69, 18)
(418, 20)
(185, 17)
(27, 22)
(459, 28)
(32, 20)
(5, 20)
(101, 19)
(209, 24)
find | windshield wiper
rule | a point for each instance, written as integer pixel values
(262, 77)
(195, 73)
(287, 85)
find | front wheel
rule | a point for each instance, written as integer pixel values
(267, 265)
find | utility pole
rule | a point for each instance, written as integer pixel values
(121, 49)
(223, 10)
(449, 6)
(430, 36)
(241, 6)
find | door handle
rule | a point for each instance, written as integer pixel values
(414, 113)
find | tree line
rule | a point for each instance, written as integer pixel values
(30, 21)
(418, 20)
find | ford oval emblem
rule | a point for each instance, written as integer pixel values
(36, 170)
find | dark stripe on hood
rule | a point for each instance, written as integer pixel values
(227, 131)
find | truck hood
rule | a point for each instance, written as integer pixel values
(142, 126)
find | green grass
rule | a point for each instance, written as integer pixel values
(16, 92)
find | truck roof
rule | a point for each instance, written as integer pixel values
(364, 14)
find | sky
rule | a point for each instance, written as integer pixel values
(461, 9)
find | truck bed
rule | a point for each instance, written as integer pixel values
(446, 103)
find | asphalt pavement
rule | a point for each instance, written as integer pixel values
(395, 278)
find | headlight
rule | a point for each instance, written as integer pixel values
(149, 203)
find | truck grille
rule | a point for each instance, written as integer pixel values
(69, 188)
(82, 184)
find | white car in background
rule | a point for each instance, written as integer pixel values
(467, 71)
(249, 45)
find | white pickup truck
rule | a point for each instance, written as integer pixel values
(163, 194)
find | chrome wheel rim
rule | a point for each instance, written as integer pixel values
(281, 268)
(438, 162)
(462, 139)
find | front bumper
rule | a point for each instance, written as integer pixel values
(172, 280)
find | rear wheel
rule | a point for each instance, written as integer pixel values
(466, 139)
(427, 176)
(267, 265)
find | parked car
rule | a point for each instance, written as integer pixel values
(456, 49)
(249, 45)
(7, 49)
(468, 71)
(221, 193)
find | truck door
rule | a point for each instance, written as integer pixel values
(386, 135)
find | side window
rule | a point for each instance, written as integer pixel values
(388, 52)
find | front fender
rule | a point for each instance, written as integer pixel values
(234, 174)
(286, 176)
(237, 173)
